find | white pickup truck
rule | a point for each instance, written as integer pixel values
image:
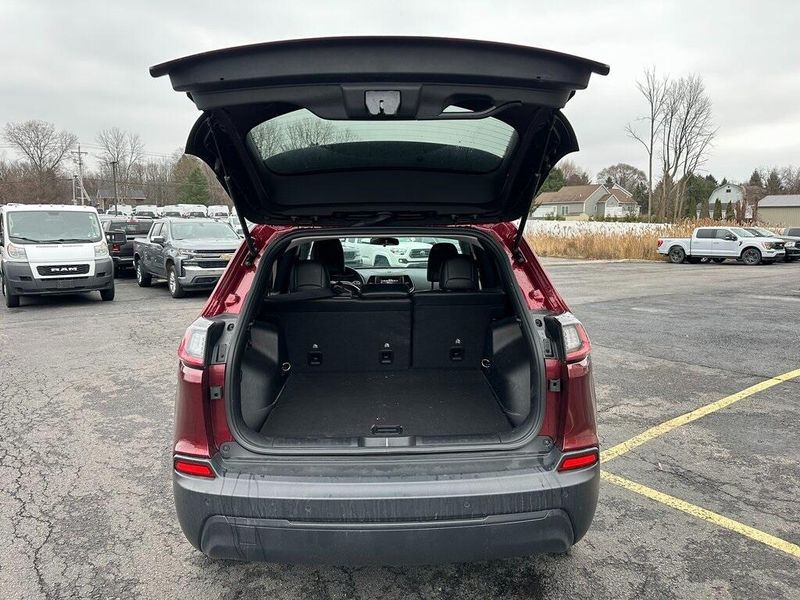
(720, 243)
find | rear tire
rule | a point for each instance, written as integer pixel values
(751, 256)
(175, 288)
(142, 279)
(12, 300)
(676, 255)
(107, 295)
(719, 261)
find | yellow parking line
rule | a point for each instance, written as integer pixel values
(702, 513)
(683, 419)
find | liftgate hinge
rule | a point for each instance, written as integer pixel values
(554, 385)
(215, 392)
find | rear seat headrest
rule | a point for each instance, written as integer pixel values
(438, 253)
(459, 273)
(309, 275)
(330, 253)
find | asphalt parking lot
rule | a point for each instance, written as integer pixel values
(86, 395)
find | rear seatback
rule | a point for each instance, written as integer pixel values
(451, 325)
(384, 329)
(338, 333)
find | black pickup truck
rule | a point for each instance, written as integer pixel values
(121, 249)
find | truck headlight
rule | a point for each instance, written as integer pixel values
(16, 252)
(101, 250)
(769, 245)
(185, 253)
(790, 244)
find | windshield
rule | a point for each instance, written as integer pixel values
(762, 232)
(301, 142)
(382, 253)
(53, 226)
(203, 230)
(130, 227)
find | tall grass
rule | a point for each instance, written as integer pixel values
(604, 240)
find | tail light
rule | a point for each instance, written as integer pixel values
(115, 247)
(192, 349)
(579, 461)
(194, 468)
(578, 421)
(200, 421)
(660, 242)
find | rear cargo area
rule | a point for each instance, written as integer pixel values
(424, 402)
(330, 365)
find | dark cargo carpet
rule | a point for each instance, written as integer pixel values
(422, 401)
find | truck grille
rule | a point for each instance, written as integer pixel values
(212, 264)
(419, 253)
(62, 270)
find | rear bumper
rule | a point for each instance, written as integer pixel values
(123, 262)
(392, 522)
(20, 280)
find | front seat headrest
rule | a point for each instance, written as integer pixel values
(330, 253)
(436, 256)
(309, 275)
(459, 273)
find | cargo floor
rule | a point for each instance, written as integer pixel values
(421, 401)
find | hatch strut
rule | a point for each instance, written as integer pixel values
(252, 251)
(515, 251)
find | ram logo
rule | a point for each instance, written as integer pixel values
(63, 269)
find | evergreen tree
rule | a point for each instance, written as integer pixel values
(554, 181)
(717, 210)
(774, 182)
(194, 188)
(691, 207)
(704, 210)
(729, 214)
(755, 179)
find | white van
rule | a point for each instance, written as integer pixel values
(53, 249)
(218, 211)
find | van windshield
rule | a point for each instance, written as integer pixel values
(53, 227)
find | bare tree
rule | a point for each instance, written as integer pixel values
(124, 148)
(693, 135)
(40, 143)
(573, 174)
(654, 90)
(624, 175)
(272, 138)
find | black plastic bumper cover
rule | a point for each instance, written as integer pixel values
(232, 520)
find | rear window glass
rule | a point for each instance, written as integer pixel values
(202, 230)
(301, 142)
(706, 233)
(131, 227)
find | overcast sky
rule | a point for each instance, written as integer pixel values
(83, 65)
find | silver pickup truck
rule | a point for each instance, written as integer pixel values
(721, 243)
(191, 254)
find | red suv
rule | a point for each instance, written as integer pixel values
(333, 408)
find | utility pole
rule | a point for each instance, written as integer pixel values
(81, 189)
(114, 164)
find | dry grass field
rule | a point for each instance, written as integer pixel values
(605, 240)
